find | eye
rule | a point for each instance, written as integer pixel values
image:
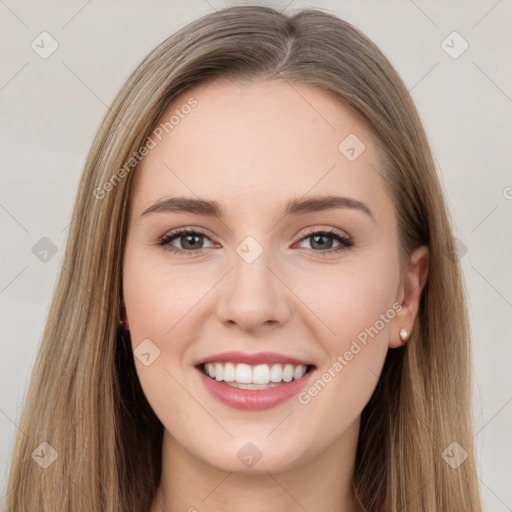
(190, 241)
(320, 239)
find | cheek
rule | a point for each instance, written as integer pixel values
(159, 301)
(158, 296)
(355, 304)
(350, 298)
(162, 302)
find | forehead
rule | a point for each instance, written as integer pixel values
(258, 143)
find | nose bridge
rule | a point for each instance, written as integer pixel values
(251, 275)
(251, 294)
(251, 261)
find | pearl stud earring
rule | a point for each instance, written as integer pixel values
(403, 334)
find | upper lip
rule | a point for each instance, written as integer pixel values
(252, 359)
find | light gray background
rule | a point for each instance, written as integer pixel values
(51, 108)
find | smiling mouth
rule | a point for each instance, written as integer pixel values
(254, 377)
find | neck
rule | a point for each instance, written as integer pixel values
(321, 483)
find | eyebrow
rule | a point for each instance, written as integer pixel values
(294, 206)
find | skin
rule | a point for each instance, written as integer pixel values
(252, 147)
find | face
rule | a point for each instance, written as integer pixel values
(269, 276)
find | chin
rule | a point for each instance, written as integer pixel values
(251, 457)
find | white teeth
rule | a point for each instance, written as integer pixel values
(251, 386)
(276, 373)
(297, 372)
(243, 373)
(259, 376)
(229, 372)
(219, 372)
(288, 373)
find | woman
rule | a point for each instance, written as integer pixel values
(311, 352)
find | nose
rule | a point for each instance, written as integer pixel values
(253, 295)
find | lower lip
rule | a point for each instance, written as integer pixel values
(253, 399)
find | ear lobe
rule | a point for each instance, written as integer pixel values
(410, 292)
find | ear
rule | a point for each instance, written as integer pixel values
(409, 295)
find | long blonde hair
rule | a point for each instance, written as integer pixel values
(84, 397)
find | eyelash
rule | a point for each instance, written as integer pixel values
(345, 241)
